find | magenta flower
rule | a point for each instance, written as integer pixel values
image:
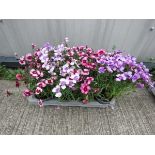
(89, 80)
(101, 52)
(85, 88)
(27, 92)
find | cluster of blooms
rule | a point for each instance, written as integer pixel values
(126, 68)
(63, 67)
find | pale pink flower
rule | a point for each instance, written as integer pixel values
(22, 61)
(19, 77)
(36, 73)
(38, 90)
(28, 57)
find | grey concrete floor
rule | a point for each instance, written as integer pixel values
(134, 114)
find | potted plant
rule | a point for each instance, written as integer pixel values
(58, 75)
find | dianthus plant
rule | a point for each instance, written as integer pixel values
(80, 73)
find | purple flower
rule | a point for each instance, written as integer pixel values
(121, 77)
(128, 74)
(63, 83)
(57, 92)
(56, 89)
(109, 69)
(135, 77)
(101, 70)
(140, 85)
(48, 46)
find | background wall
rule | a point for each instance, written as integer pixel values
(132, 36)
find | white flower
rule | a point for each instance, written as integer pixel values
(63, 87)
(58, 94)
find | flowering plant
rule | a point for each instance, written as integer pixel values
(80, 73)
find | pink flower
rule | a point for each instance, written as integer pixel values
(89, 80)
(81, 54)
(36, 73)
(27, 92)
(41, 84)
(85, 72)
(49, 81)
(38, 90)
(37, 53)
(84, 61)
(90, 65)
(70, 53)
(22, 61)
(85, 88)
(100, 52)
(40, 103)
(92, 56)
(28, 57)
(18, 76)
(81, 47)
(89, 50)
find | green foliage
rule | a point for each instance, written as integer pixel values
(109, 87)
(67, 95)
(46, 94)
(107, 84)
(9, 74)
